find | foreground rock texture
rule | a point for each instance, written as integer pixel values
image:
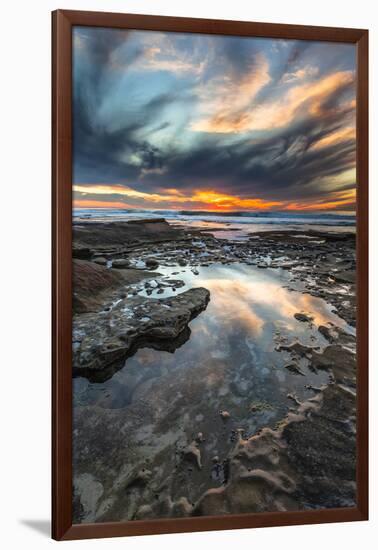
(309, 460)
(115, 236)
(147, 459)
(93, 284)
(308, 463)
(153, 469)
(102, 341)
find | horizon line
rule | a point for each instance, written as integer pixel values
(216, 212)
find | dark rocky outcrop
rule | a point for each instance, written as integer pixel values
(103, 341)
(89, 235)
(90, 281)
(308, 463)
(148, 459)
(93, 283)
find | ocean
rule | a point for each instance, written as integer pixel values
(240, 222)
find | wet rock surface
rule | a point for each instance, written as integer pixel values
(105, 341)
(118, 237)
(93, 284)
(205, 437)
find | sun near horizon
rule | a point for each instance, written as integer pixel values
(217, 123)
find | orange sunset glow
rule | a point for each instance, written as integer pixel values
(207, 200)
(213, 123)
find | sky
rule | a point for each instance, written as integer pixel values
(204, 122)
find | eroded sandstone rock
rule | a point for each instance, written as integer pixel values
(103, 340)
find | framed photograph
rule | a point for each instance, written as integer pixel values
(210, 248)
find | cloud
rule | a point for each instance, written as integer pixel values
(240, 132)
(232, 116)
(102, 195)
(338, 136)
(128, 192)
(158, 59)
(300, 74)
(90, 203)
(335, 201)
(204, 198)
(226, 101)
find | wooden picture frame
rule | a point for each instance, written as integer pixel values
(62, 23)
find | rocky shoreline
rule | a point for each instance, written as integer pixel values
(103, 341)
(123, 301)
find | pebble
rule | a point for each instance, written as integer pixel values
(225, 415)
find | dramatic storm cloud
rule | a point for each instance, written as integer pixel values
(184, 121)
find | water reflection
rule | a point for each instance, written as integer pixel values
(232, 348)
(161, 400)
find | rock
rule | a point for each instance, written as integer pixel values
(225, 415)
(328, 333)
(200, 438)
(81, 252)
(292, 466)
(239, 433)
(260, 406)
(294, 368)
(182, 262)
(91, 284)
(130, 233)
(144, 512)
(120, 263)
(294, 398)
(345, 276)
(193, 454)
(336, 335)
(181, 508)
(153, 321)
(100, 261)
(299, 465)
(152, 263)
(94, 285)
(314, 388)
(297, 348)
(303, 317)
(143, 477)
(165, 508)
(174, 283)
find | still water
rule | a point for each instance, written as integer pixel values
(159, 402)
(232, 348)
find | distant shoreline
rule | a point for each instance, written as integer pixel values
(240, 223)
(222, 213)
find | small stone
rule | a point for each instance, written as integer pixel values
(225, 415)
(100, 261)
(120, 263)
(143, 476)
(239, 433)
(200, 437)
(151, 263)
(303, 317)
(193, 454)
(292, 367)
